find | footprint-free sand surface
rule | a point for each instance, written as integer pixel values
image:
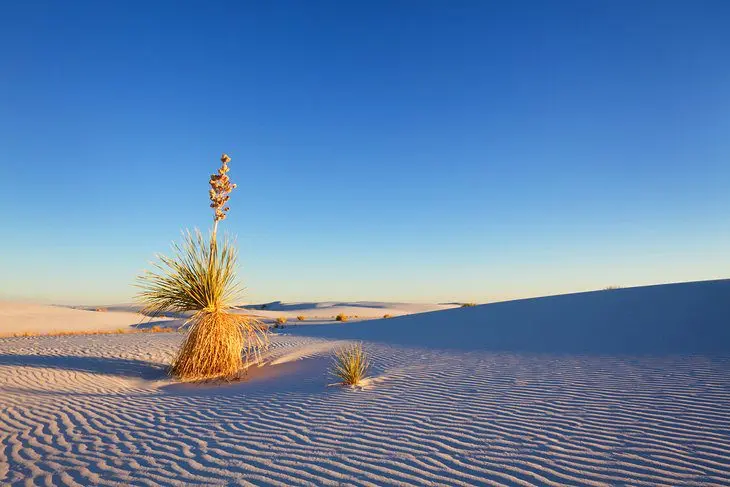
(475, 396)
(17, 318)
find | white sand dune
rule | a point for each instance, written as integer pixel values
(18, 318)
(325, 311)
(687, 317)
(37, 318)
(624, 388)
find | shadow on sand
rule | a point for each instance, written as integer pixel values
(96, 365)
(685, 318)
(175, 324)
(307, 375)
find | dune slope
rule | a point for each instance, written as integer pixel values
(689, 317)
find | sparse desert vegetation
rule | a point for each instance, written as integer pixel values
(280, 322)
(350, 365)
(341, 317)
(468, 305)
(118, 331)
(200, 277)
(387, 315)
(301, 317)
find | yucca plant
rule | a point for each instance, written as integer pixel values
(200, 278)
(350, 364)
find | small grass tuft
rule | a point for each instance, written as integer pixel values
(350, 365)
(280, 322)
(341, 317)
(387, 315)
(301, 317)
(468, 305)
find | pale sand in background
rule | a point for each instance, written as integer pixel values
(37, 318)
(636, 391)
(18, 318)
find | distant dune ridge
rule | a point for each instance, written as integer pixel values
(673, 318)
(623, 387)
(16, 317)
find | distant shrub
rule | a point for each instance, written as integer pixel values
(468, 305)
(280, 322)
(341, 317)
(101, 310)
(301, 317)
(350, 365)
(161, 329)
(386, 315)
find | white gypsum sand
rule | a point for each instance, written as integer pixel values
(627, 387)
(326, 311)
(18, 318)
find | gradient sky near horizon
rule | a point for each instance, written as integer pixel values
(385, 150)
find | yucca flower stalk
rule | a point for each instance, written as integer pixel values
(200, 278)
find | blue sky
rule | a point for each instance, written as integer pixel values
(387, 150)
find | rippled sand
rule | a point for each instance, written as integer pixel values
(99, 410)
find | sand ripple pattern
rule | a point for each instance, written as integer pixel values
(99, 410)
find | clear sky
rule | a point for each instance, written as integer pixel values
(384, 150)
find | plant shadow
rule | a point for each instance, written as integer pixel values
(307, 376)
(95, 365)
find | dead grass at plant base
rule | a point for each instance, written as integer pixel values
(212, 348)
